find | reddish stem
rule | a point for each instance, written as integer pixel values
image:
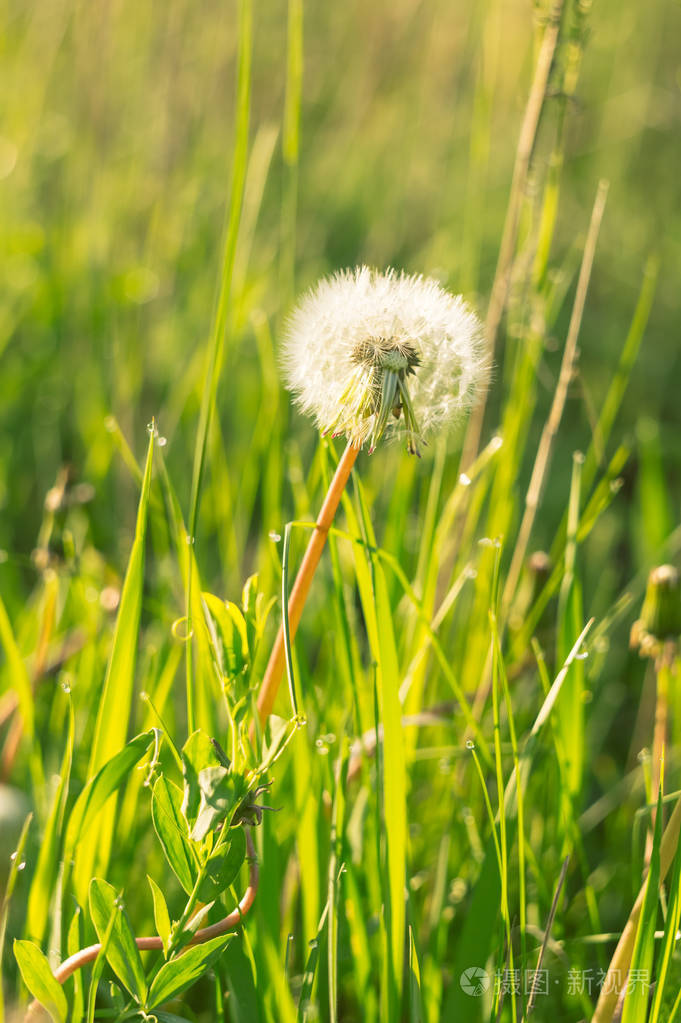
(89, 954)
(277, 662)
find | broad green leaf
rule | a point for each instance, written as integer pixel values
(161, 914)
(198, 753)
(48, 858)
(181, 973)
(122, 954)
(105, 782)
(38, 978)
(114, 706)
(231, 651)
(171, 828)
(221, 792)
(113, 714)
(223, 865)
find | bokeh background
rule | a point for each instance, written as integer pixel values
(117, 126)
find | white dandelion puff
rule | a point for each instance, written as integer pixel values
(368, 352)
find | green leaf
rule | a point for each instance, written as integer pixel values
(114, 705)
(98, 967)
(636, 1001)
(229, 629)
(115, 701)
(243, 997)
(664, 958)
(394, 779)
(122, 954)
(171, 828)
(37, 977)
(222, 866)
(181, 973)
(221, 792)
(48, 857)
(161, 914)
(198, 753)
(105, 782)
(415, 1006)
(74, 942)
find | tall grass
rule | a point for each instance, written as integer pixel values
(468, 718)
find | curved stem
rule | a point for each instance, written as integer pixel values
(277, 662)
(232, 920)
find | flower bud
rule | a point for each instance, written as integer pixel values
(657, 631)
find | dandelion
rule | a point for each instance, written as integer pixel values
(368, 352)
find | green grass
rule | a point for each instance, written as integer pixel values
(172, 179)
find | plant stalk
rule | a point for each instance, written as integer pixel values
(277, 662)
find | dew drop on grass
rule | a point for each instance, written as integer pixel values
(189, 540)
(274, 536)
(495, 443)
(470, 744)
(66, 685)
(162, 441)
(582, 655)
(464, 480)
(13, 857)
(22, 865)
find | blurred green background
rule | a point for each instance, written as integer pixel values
(116, 123)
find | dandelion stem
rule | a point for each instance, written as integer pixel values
(277, 662)
(660, 727)
(662, 681)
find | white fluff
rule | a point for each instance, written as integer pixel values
(381, 316)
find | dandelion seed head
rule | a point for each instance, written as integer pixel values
(367, 353)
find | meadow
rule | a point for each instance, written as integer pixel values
(460, 781)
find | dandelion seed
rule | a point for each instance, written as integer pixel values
(369, 353)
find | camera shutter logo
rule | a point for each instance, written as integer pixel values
(474, 981)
